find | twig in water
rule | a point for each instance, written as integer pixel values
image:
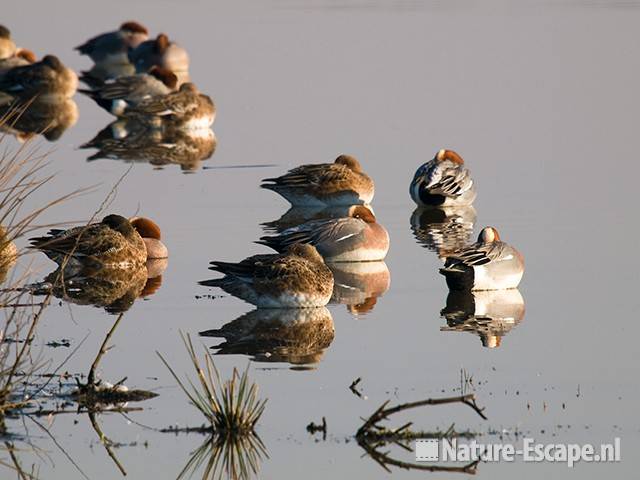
(353, 388)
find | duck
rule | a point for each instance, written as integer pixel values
(161, 52)
(118, 94)
(356, 238)
(342, 182)
(114, 242)
(187, 108)
(443, 181)
(488, 264)
(21, 58)
(48, 76)
(7, 45)
(113, 47)
(298, 278)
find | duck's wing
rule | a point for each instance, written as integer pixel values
(28, 77)
(311, 176)
(476, 254)
(106, 42)
(138, 86)
(445, 178)
(93, 240)
(245, 269)
(329, 231)
(176, 103)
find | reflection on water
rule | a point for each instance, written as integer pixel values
(114, 289)
(49, 115)
(359, 284)
(298, 215)
(489, 314)
(132, 141)
(298, 335)
(443, 229)
(226, 456)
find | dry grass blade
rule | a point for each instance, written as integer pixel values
(231, 406)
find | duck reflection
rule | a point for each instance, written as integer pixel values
(298, 215)
(443, 229)
(297, 336)
(113, 289)
(359, 284)
(132, 141)
(489, 314)
(48, 115)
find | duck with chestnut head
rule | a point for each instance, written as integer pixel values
(161, 52)
(342, 182)
(488, 264)
(356, 238)
(443, 181)
(113, 47)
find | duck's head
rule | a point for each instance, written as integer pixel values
(52, 61)
(350, 162)
(161, 43)
(5, 32)
(444, 155)
(119, 224)
(305, 251)
(363, 213)
(189, 87)
(165, 75)
(489, 235)
(132, 28)
(26, 54)
(151, 235)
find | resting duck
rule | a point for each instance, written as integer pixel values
(21, 58)
(443, 181)
(117, 95)
(161, 52)
(187, 108)
(113, 47)
(298, 278)
(340, 183)
(356, 238)
(48, 76)
(488, 264)
(7, 45)
(115, 242)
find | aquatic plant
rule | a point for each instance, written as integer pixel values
(230, 406)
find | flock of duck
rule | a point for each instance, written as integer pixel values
(330, 232)
(162, 117)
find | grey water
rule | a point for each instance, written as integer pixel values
(539, 97)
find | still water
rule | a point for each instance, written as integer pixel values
(539, 98)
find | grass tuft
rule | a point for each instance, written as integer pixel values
(231, 406)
